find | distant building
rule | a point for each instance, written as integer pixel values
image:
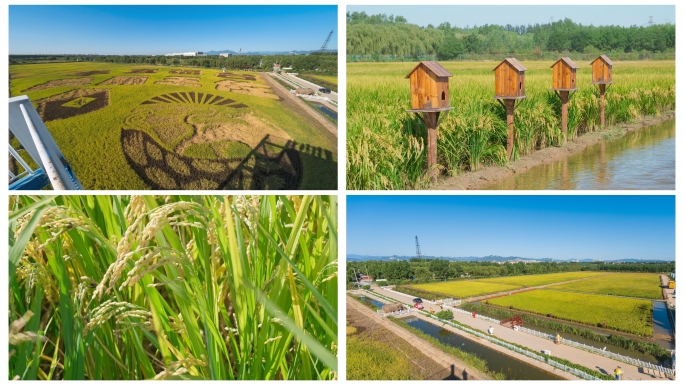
(226, 54)
(197, 53)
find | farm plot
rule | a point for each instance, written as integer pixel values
(143, 70)
(186, 71)
(72, 103)
(622, 314)
(542, 279)
(180, 81)
(238, 76)
(464, 289)
(387, 149)
(61, 83)
(125, 80)
(643, 285)
(259, 90)
(90, 73)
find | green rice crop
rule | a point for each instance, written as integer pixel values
(386, 146)
(191, 287)
(645, 285)
(622, 314)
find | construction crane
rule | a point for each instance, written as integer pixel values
(327, 40)
(240, 52)
(418, 254)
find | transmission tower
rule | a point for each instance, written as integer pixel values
(327, 40)
(418, 255)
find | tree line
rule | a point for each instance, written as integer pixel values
(323, 62)
(420, 270)
(382, 35)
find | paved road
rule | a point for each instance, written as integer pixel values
(332, 95)
(293, 102)
(577, 356)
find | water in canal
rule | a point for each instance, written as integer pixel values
(327, 111)
(641, 159)
(514, 369)
(374, 302)
(662, 326)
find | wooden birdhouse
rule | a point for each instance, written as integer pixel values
(602, 70)
(429, 86)
(510, 80)
(564, 75)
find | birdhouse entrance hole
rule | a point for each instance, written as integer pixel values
(443, 95)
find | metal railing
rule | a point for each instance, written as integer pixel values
(27, 170)
(612, 355)
(401, 313)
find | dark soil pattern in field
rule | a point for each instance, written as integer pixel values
(61, 83)
(52, 108)
(143, 71)
(193, 98)
(125, 80)
(268, 166)
(186, 72)
(231, 75)
(180, 81)
(90, 73)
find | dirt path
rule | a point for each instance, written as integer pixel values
(442, 359)
(292, 102)
(577, 356)
(495, 174)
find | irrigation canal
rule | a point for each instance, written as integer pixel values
(662, 326)
(641, 159)
(327, 111)
(513, 368)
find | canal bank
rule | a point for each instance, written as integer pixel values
(497, 176)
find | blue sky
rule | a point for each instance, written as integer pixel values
(470, 15)
(561, 227)
(141, 30)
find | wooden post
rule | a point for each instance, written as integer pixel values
(602, 90)
(510, 111)
(431, 119)
(564, 96)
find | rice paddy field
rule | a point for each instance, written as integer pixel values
(470, 288)
(542, 279)
(160, 127)
(386, 146)
(463, 289)
(173, 287)
(622, 314)
(643, 285)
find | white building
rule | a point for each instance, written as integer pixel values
(226, 54)
(186, 54)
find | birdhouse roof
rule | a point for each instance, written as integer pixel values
(512, 62)
(604, 58)
(433, 66)
(567, 61)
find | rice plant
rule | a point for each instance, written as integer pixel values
(178, 287)
(386, 146)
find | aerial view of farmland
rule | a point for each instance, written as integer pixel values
(513, 302)
(151, 115)
(514, 102)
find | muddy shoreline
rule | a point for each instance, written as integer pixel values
(491, 175)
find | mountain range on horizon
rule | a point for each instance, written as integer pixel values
(494, 258)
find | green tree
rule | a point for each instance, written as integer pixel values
(440, 268)
(450, 48)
